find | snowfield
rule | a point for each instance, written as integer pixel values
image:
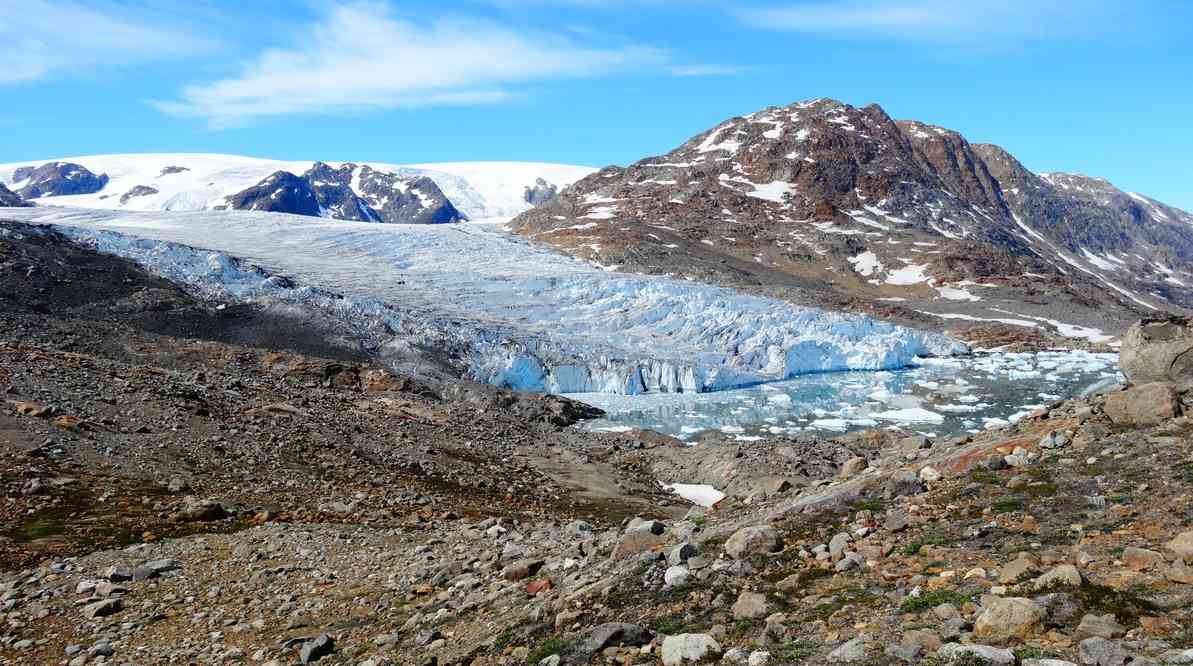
(515, 313)
(480, 190)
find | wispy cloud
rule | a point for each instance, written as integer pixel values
(45, 39)
(952, 21)
(708, 70)
(362, 56)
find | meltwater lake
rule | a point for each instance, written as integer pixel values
(939, 397)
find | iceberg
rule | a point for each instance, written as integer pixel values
(513, 313)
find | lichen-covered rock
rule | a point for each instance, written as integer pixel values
(1013, 617)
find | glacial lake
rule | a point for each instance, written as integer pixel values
(939, 397)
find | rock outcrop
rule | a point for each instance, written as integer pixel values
(1159, 350)
(56, 179)
(350, 192)
(11, 199)
(282, 192)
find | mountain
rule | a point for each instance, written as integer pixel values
(9, 199)
(428, 192)
(845, 207)
(57, 179)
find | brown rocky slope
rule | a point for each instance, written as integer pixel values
(824, 203)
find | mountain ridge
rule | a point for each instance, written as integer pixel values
(846, 207)
(200, 181)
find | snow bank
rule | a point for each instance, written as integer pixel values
(516, 314)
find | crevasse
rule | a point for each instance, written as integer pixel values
(515, 314)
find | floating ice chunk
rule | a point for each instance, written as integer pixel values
(910, 415)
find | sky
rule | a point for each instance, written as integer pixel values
(1100, 87)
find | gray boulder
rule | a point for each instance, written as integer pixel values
(1150, 404)
(756, 540)
(1159, 350)
(952, 652)
(689, 649)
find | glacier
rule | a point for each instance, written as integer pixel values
(481, 190)
(512, 313)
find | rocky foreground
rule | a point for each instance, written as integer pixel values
(187, 484)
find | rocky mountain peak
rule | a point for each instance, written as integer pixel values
(842, 205)
(57, 179)
(281, 192)
(351, 192)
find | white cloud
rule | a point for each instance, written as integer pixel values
(708, 70)
(362, 56)
(43, 39)
(954, 21)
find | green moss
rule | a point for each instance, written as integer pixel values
(1007, 505)
(984, 476)
(933, 599)
(669, 624)
(553, 645)
(504, 639)
(794, 652)
(40, 528)
(869, 504)
(1042, 489)
(857, 596)
(1126, 606)
(914, 547)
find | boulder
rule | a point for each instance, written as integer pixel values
(611, 634)
(689, 649)
(1012, 617)
(1149, 404)
(103, 608)
(750, 606)
(676, 576)
(1102, 652)
(636, 541)
(521, 569)
(1159, 350)
(850, 652)
(1141, 559)
(1100, 626)
(757, 540)
(316, 648)
(1065, 575)
(1182, 544)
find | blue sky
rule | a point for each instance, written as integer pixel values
(1097, 87)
